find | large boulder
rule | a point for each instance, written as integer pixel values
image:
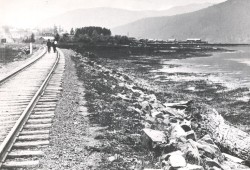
(212, 164)
(177, 161)
(186, 126)
(191, 135)
(150, 138)
(160, 124)
(174, 160)
(209, 149)
(144, 105)
(191, 152)
(232, 158)
(207, 139)
(176, 131)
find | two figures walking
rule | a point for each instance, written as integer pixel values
(51, 44)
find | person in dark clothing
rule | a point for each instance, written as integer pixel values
(49, 45)
(54, 46)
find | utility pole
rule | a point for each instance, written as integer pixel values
(31, 48)
(4, 53)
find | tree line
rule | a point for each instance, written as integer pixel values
(94, 36)
(30, 39)
(92, 31)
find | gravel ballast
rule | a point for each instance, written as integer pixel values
(71, 133)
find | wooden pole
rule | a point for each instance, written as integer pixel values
(4, 53)
(31, 49)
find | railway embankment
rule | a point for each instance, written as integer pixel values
(143, 132)
(71, 134)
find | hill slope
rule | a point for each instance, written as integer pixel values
(226, 22)
(112, 17)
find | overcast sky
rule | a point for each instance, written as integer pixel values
(29, 12)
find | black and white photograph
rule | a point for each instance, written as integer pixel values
(124, 85)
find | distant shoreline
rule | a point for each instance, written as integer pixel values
(187, 50)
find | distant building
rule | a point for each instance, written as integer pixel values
(47, 34)
(6, 39)
(3, 40)
(132, 38)
(5, 35)
(172, 40)
(196, 41)
(45, 38)
(193, 40)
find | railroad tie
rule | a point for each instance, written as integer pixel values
(20, 164)
(34, 133)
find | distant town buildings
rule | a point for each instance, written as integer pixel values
(11, 34)
(172, 40)
(159, 42)
(5, 36)
(194, 40)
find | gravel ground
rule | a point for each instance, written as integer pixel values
(71, 133)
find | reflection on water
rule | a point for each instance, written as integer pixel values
(230, 68)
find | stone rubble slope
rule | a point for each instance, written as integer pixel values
(187, 139)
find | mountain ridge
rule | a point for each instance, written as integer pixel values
(112, 17)
(227, 22)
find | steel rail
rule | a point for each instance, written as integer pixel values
(15, 72)
(9, 141)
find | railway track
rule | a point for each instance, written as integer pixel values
(28, 98)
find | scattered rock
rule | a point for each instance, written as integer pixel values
(135, 138)
(111, 158)
(209, 163)
(167, 128)
(210, 150)
(191, 135)
(191, 152)
(166, 156)
(155, 113)
(177, 132)
(232, 158)
(177, 160)
(151, 137)
(207, 139)
(100, 136)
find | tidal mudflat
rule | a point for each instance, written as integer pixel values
(217, 79)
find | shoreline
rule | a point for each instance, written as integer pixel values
(184, 90)
(114, 97)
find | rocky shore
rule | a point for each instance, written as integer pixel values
(230, 101)
(143, 131)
